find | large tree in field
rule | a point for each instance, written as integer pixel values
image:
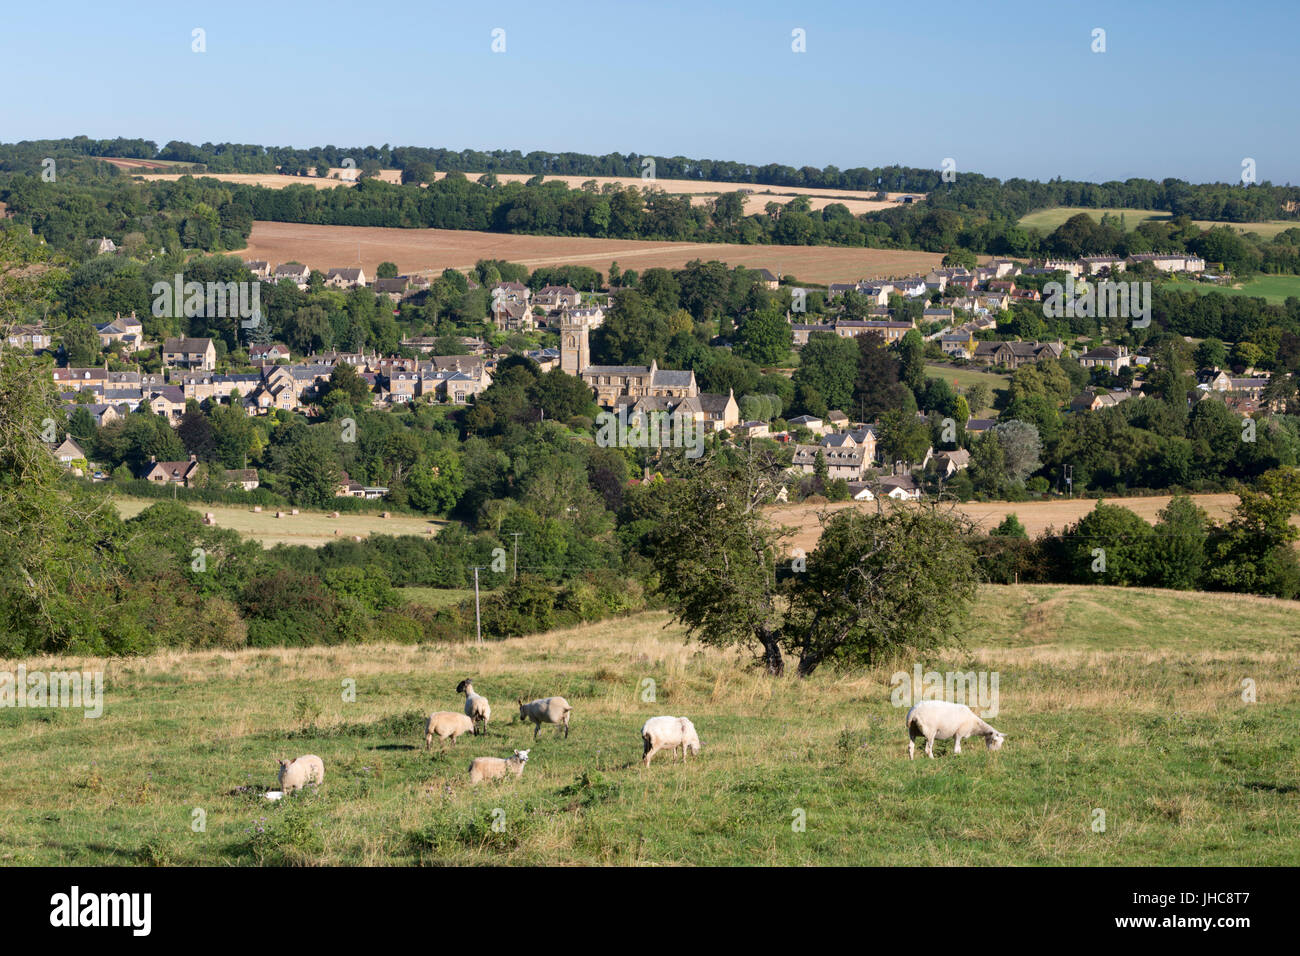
(717, 555)
(900, 577)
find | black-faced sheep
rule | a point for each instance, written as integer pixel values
(476, 706)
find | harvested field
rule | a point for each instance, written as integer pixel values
(270, 180)
(858, 200)
(432, 250)
(1036, 516)
(134, 164)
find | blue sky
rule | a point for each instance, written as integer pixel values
(1008, 89)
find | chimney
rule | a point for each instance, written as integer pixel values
(153, 460)
(194, 457)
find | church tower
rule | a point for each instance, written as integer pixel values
(575, 354)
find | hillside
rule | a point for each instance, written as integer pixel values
(1127, 701)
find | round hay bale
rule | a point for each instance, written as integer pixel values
(334, 514)
(294, 511)
(279, 514)
(257, 509)
(356, 537)
(385, 515)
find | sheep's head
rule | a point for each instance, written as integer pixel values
(994, 740)
(522, 755)
(464, 686)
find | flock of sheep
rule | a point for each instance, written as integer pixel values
(930, 719)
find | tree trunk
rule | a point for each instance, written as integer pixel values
(807, 664)
(772, 652)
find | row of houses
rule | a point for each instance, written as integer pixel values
(294, 387)
(1108, 264)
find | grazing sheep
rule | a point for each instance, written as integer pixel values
(546, 710)
(446, 724)
(939, 719)
(659, 733)
(296, 774)
(490, 768)
(476, 707)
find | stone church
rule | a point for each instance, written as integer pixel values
(610, 382)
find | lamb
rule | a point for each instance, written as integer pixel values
(940, 719)
(659, 733)
(490, 768)
(476, 707)
(446, 724)
(546, 710)
(296, 774)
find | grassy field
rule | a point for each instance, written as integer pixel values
(432, 250)
(312, 528)
(1048, 220)
(1036, 516)
(438, 597)
(966, 377)
(1126, 701)
(1276, 289)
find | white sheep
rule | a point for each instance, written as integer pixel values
(546, 710)
(659, 733)
(939, 719)
(296, 774)
(446, 724)
(476, 706)
(490, 768)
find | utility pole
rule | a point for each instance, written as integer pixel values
(1067, 472)
(478, 619)
(515, 535)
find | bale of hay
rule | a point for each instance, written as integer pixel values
(334, 514)
(257, 509)
(279, 514)
(294, 511)
(385, 515)
(356, 537)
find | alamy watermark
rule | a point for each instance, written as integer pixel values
(653, 430)
(212, 300)
(1101, 300)
(39, 689)
(972, 688)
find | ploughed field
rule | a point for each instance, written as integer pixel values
(1125, 701)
